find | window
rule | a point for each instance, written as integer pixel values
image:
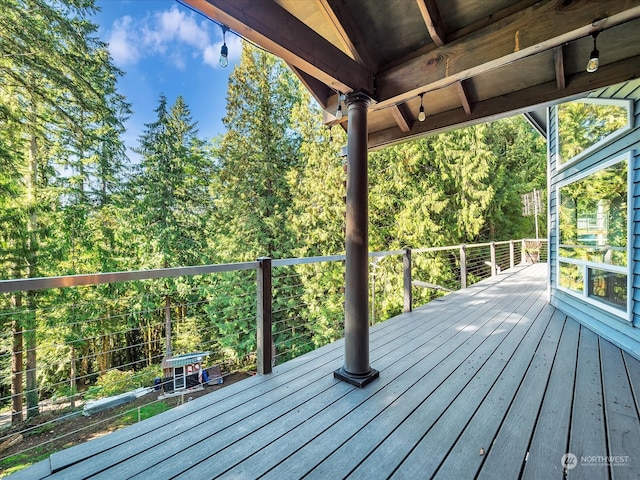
(593, 251)
(584, 125)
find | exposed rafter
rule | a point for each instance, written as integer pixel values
(464, 97)
(543, 26)
(319, 90)
(271, 26)
(402, 116)
(342, 22)
(509, 104)
(433, 21)
(558, 59)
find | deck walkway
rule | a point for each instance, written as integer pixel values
(489, 382)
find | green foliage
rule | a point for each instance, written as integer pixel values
(115, 382)
(142, 413)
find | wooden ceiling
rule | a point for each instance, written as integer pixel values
(474, 60)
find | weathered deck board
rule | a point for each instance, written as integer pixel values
(620, 412)
(491, 367)
(552, 430)
(588, 435)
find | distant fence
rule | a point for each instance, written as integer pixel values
(102, 334)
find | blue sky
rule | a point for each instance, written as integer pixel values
(166, 48)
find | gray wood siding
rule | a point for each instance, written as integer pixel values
(609, 326)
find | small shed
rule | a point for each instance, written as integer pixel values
(184, 371)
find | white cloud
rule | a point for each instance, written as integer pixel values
(172, 34)
(122, 46)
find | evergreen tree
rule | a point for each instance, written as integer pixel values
(171, 196)
(52, 80)
(255, 154)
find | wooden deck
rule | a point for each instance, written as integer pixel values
(489, 382)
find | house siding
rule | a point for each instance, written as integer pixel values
(622, 333)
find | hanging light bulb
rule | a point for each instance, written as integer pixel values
(594, 58)
(421, 114)
(339, 111)
(224, 51)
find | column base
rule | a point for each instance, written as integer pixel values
(357, 380)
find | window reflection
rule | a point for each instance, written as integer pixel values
(584, 123)
(593, 235)
(593, 217)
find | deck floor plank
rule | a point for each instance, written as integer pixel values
(493, 367)
(453, 397)
(508, 452)
(303, 460)
(623, 425)
(485, 423)
(588, 435)
(551, 433)
(432, 450)
(377, 438)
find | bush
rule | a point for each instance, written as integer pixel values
(115, 382)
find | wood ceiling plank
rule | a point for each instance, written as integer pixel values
(273, 28)
(510, 104)
(345, 27)
(542, 26)
(433, 21)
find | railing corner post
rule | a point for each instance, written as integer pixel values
(264, 316)
(406, 280)
(523, 252)
(463, 266)
(511, 254)
(494, 268)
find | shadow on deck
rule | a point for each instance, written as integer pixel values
(489, 382)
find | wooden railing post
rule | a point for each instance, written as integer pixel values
(523, 252)
(463, 266)
(511, 254)
(493, 259)
(264, 317)
(406, 280)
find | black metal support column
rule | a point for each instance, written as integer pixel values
(356, 369)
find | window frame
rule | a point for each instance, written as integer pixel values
(625, 314)
(628, 104)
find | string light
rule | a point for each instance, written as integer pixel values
(224, 51)
(594, 58)
(421, 114)
(339, 111)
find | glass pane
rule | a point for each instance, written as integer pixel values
(571, 277)
(582, 124)
(608, 287)
(593, 217)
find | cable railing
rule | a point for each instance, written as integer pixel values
(71, 342)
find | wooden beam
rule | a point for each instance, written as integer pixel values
(433, 21)
(402, 117)
(319, 90)
(543, 26)
(558, 58)
(269, 25)
(464, 97)
(512, 103)
(345, 27)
